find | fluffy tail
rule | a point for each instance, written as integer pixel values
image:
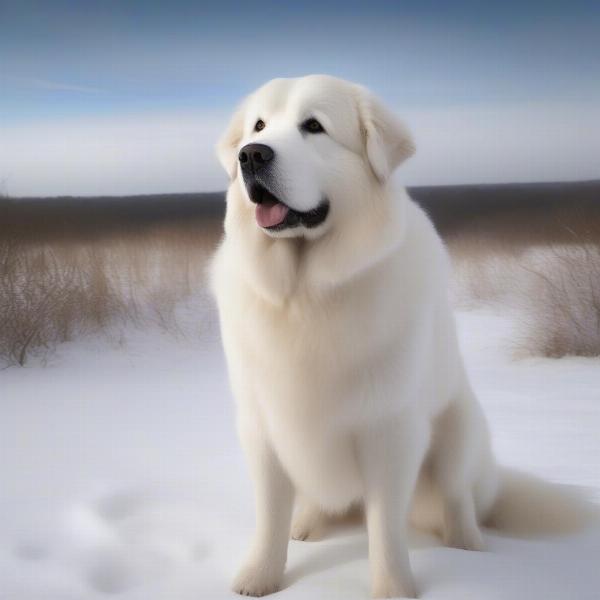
(528, 506)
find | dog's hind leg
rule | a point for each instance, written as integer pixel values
(460, 453)
(310, 523)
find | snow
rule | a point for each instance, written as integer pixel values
(122, 477)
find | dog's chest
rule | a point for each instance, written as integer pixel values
(319, 458)
(299, 377)
(305, 369)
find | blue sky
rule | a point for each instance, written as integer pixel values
(85, 67)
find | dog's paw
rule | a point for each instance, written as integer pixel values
(307, 531)
(394, 587)
(467, 538)
(309, 524)
(257, 580)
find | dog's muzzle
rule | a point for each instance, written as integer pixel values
(272, 213)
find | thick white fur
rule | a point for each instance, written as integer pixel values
(341, 344)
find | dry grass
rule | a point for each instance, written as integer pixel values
(73, 266)
(56, 289)
(481, 273)
(560, 302)
(553, 290)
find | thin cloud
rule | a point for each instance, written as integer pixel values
(47, 84)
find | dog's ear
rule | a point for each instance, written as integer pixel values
(387, 140)
(227, 146)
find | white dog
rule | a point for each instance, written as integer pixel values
(339, 337)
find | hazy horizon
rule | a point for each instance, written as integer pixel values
(114, 98)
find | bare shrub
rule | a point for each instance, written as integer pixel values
(553, 291)
(560, 301)
(481, 270)
(52, 291)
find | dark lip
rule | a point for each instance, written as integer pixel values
(259, 193)
(310, 219)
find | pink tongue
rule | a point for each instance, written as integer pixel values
(269, 214)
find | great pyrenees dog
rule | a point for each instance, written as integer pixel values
(331, 286)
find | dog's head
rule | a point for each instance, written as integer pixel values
(302, 152)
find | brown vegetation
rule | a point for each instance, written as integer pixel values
(54, 290)
(70, 266)
(550, 280)
(562, 301)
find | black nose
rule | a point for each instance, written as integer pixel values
(253, 157)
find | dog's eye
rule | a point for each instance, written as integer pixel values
(312, 126)
(259, 126)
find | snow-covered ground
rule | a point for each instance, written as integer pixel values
(121, 477)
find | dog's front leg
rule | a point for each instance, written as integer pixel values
(263, 571)
(390, 455)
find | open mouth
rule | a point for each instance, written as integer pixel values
(270, 212)
(275, 215)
